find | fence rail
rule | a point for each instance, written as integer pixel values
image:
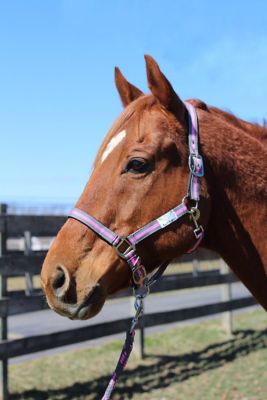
(17, 263)
(18, 303)
(32, 344)
(38, 225)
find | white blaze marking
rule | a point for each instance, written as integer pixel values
(113, 143)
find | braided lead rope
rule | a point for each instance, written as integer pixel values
(124, 356)
(140, 293)
(127, 348)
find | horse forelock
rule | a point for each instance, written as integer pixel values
(133, 110)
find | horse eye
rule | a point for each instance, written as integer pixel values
(137, 166)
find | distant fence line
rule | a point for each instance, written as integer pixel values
(51, 208)
(15, 263)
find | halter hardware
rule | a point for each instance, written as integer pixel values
(196, 164)
(199, 232)
(139, 275)
(194, 216)
(126, 246)
(142, 291)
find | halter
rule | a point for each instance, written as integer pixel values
(126, 246)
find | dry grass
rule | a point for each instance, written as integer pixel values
(19, 283)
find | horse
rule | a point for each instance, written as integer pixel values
(141, 172)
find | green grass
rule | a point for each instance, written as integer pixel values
(191, 362)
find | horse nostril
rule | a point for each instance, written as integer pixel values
(62, 284)
(59, 279)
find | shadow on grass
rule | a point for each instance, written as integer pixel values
(165, 370)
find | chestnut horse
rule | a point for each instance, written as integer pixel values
(140, 172)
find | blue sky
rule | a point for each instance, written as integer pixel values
(57, 94)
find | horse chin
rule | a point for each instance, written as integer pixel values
(91, 304)
(88, 311)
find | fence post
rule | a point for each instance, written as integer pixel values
(139, 340)
(27, 252)
(227, 316)
(3, 320)
(196, 267)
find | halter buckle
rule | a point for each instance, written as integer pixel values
(196, 164)
(124, 247)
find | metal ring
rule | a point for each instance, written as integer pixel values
(195, 213)
(139, 275)
(184, 201)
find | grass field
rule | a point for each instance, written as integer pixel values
(191, 362)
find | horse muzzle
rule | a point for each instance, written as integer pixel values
(61, 295)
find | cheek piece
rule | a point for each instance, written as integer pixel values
(126, 246)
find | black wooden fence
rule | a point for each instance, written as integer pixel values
(15, 263)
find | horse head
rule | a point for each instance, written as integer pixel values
(140, 172)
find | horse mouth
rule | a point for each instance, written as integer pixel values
(91, 305)
(88, 308)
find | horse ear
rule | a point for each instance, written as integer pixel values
(127, 91)
(163, 90)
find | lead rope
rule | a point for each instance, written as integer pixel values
(126, 350)
(139, 294)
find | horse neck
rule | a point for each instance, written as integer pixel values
(237, 179)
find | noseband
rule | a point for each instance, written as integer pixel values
(126, 246)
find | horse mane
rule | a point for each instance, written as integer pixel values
(258, 131)
(237, 148)
(254, 129)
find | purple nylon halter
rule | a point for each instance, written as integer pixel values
(126, 246)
